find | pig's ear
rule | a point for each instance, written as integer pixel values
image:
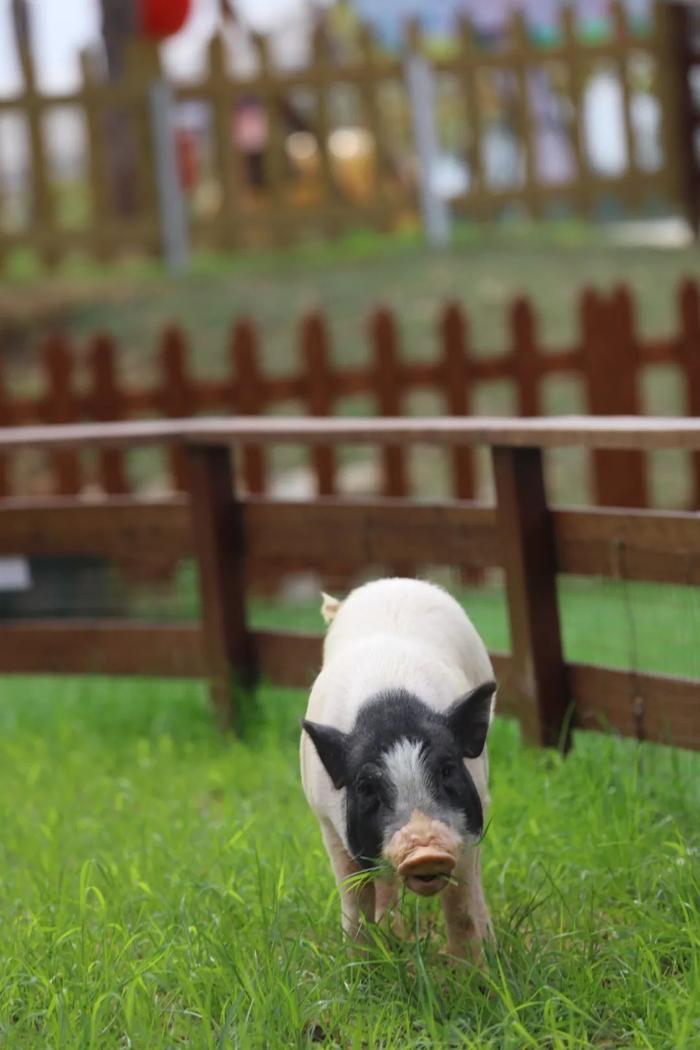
(331, 747)
(329, 607)
(469, 719)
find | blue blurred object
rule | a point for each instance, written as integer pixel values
(438, 17)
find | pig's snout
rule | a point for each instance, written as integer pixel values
(424, 853)
(426, 870)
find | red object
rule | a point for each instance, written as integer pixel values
(187, 158)
(161, 18)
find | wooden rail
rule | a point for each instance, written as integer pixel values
(232, 540)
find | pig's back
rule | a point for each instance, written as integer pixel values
(412, 612)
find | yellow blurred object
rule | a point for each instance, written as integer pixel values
(352, 158)
(302, 150)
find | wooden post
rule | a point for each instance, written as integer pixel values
(679, 63)
(538, 675)
(218, 531)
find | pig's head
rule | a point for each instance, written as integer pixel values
(409, 800)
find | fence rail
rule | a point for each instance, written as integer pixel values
(517, 89)
(231, 539)
(608, 359)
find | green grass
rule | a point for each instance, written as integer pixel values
(163, 886)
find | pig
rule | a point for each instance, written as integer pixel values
(393, 754)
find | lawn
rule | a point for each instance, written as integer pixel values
(164, 886)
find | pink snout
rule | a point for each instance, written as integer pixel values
(424, 853)
(425, 870)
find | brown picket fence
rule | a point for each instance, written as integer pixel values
(609, 359)
(232, 537)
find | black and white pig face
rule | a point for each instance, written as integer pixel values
(409, 797)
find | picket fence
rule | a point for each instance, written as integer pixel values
(608, 359)
(114, 207)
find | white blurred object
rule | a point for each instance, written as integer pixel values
(449, 177)
(604, 125)
(15, 574)
(646, 121)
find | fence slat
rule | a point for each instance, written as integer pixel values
(611, 361)
(281, 222)
(59, 407)
(249, 399)
(689, 353)
(6, 420)
(177, 394)
(319, 396)
(525, 356)
(382, 202)
(622, 48)
(577, 83)
(42, 197)
(99, 176)
(108, 404)
(224, 94)
(538, 677)
(521, 55)
(324, 78)
(469, 76)
(388, 391)
(456, 364)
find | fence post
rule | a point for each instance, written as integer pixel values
(677, 29)
(538, 674)
(218, 530)
(421, 95)
(171, 200)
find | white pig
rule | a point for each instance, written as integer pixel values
(393, 756)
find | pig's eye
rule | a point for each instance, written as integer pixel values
(447, 769)
(367, 790)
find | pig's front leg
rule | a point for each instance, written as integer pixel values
(386, 896)
(355, 900)
(466, 913)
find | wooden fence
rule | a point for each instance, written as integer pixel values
(229, 537)
(499, 86)
(609, 359)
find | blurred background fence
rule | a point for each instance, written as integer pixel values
(607, 363)
(275, 155)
